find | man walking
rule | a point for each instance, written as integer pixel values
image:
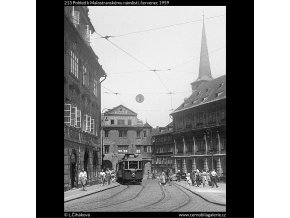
(178, 175)
(83, 178)
(213, 178)
(192, 177)
(102, 174)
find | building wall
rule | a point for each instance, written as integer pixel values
(86, 146)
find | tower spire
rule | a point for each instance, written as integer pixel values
(204, 65)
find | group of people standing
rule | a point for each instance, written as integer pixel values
(206, 177)
(107, 176)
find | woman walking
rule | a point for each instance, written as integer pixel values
(83, 178)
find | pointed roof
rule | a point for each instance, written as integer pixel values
(204, 64)
(115, 111)
(147, 125)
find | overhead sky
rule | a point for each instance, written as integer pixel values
(176, 47)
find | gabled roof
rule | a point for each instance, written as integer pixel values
(146, 125)
(111, 111)
(207, 92)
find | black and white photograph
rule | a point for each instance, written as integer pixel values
(145, 109)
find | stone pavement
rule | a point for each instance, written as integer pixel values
(79, 193)
(213, 195)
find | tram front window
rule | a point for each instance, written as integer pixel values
(133, 164)
(126, 165)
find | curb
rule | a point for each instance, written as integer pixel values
(65, 201)
(220, 204)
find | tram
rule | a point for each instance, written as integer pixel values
(130, 169)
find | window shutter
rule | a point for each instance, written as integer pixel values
(85, 123)
(67, 114)
(93, 126)
(88, 127)
(78, 119)
(76, 17)
(73, 116)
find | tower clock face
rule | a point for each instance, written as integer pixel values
(139, 98)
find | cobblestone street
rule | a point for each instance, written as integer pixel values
(147, 197)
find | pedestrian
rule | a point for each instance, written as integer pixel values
(83, 178)
(208, 175)
(204, 178)
(214, 178)
(188, 180)
(108, 176)
(193, 177)
(168, 177)
(178, 175)
(163, 178)
(103, 174)
(198, 178)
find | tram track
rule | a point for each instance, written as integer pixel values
(119, 202)
(185, 202)
(155, 202)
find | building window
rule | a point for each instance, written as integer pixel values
(106, 133)
(122, 133)
(87, 123)
(92, 126)
(145, 133)
(96, 88)
(121, 122)
(107, 149)
(138, 150)
(112, 122)
(85, 76)
(218, 94)
(74, 64)
(122, 148)
(138, 134)
(147, 149)
(129, 122)
(72, 116)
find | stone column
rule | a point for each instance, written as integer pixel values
(175, 151)
(184, 146)
(219, 167)
(193, 164)
(175, 165)
(205, 143)
(205, 165)
(219, 142)
(194, 149)
(184, 165)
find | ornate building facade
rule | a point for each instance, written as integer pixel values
(82, 98)
(124, 133)
(162, 148)
(199, 123)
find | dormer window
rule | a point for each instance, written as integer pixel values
(221, 84)
(204, 99)
(218, 94)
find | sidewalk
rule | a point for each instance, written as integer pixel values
(213, 195)
(79, 193)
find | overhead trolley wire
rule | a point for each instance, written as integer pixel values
(140, 62)
(157, 28)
